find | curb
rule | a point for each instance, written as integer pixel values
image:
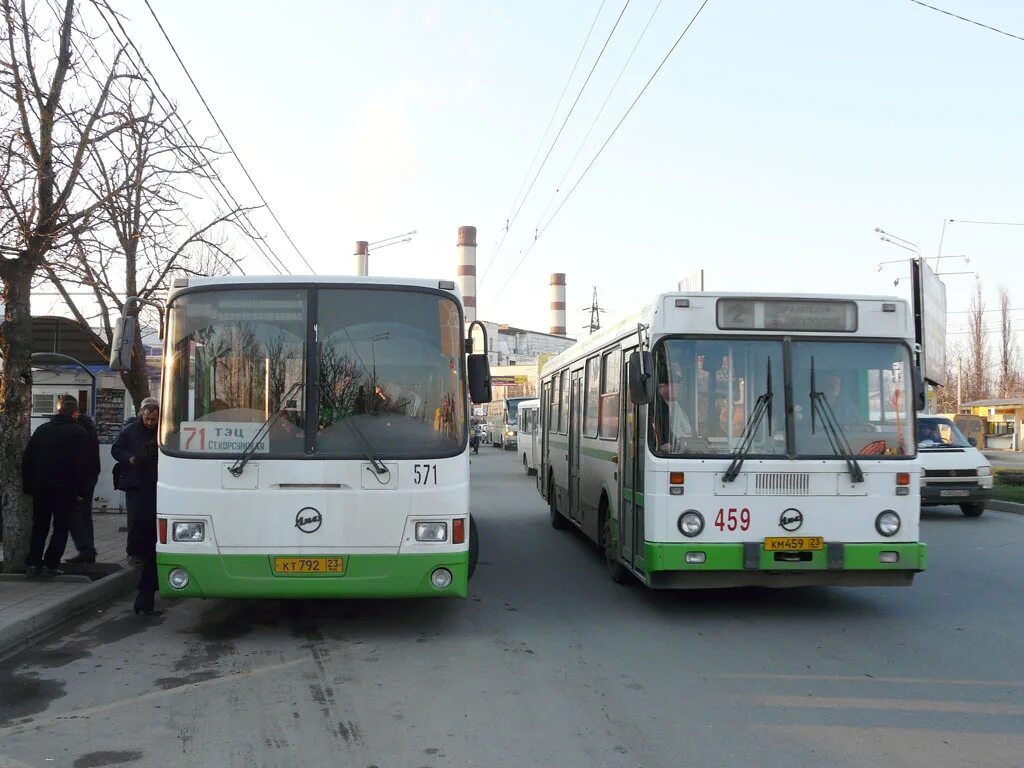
(30, 630)
(1005, 506)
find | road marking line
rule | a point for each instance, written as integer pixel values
(186, 688)
(904, 705)
(867, 679)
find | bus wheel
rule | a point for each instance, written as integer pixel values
(558, 522)
(474, 548)
(973, 510)
(617, 571)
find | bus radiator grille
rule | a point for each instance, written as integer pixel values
(782, 484)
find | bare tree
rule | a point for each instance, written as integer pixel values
(1008, 372)
(948, 397)
(53, 113)
(144, 236)
(977, 352)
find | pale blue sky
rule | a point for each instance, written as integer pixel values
(771, 145)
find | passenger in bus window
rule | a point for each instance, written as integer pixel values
(846, 411)
(712, 420)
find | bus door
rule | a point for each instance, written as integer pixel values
(631, 476)
(545, 426)
(575, 424)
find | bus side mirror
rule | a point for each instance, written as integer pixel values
(972, 442)
(123, 342)
(479, 370)
(641, 381)
(920, 396)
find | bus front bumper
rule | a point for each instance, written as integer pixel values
(365, 576)
(748, 564)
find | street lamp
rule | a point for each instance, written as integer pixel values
(373, 353)
(896, 240)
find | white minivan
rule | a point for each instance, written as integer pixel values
(955, 471)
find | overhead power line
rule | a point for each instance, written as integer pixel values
(593, 123)
(561, 128)
(540, 144)
(126, 93)
(227, 140)
(969, 21)
(541, 229)
(226, 196)
(990, 223)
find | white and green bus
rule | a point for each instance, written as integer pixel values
(733, 439)
(313, 438)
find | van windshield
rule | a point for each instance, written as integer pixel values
(939, 433)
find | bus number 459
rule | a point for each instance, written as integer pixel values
(727, 519)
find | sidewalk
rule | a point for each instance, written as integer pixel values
(33, 607)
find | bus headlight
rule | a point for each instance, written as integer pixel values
(191, 532)
(178, 578)
(441, 578)
(431, 531)
(690, 523)
(510, 432)
(887, 523)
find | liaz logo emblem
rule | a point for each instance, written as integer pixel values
(791, 519)
(308, 520)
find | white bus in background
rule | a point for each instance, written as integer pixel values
(503, 422)
(529, 435)
(314, 438)
(734, 439)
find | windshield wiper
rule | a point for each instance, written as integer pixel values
(238, 467)
(820, 408)
(379, 467)
(762, 408)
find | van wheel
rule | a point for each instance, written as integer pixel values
(618, 572)
(558, 522)
(474, 548)
(974, 509)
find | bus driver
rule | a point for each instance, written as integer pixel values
(672, 425)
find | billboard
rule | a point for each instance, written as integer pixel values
(930, 321)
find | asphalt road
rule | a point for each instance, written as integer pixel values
(550, 664)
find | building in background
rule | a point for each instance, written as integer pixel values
(1004, 421)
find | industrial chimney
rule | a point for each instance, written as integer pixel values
(558, 304)
(467, 270)
(362, 258)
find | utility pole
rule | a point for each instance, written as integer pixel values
(595, 314)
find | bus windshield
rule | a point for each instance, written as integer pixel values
(386, 375)
(708, 390)
(512, 407)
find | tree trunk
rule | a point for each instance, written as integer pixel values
(136, 379)
(15, 409)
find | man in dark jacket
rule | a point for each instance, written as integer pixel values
(54, 475)
(81, 521)
(135, 449)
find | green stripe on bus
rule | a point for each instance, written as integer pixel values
(597, 453)
(630, 496)
(729, 557)
(382, 576)
(564, 444)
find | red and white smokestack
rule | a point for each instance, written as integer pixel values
(558, 304)
(362, 258)
(467, 270)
